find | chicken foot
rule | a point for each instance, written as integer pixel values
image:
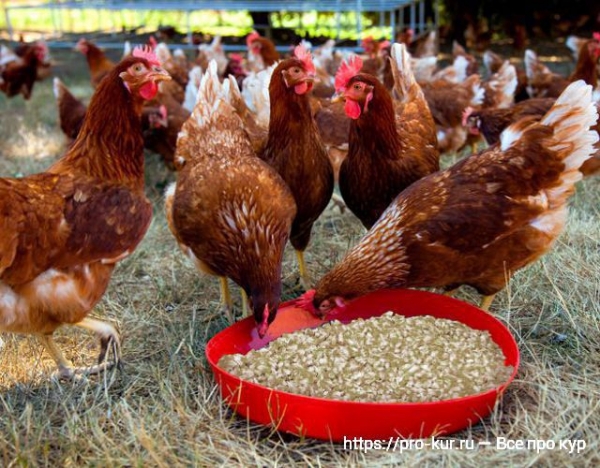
(109, 339)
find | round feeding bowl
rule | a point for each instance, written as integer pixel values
(334, 419)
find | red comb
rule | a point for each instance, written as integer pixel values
(236, 57)
(306, 301)
(252, 37)
(347, 70)
(145, 52)
(596, 36)
(303, 54)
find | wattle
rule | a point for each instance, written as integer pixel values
(352, 109)
(301, 88)
(149, 90)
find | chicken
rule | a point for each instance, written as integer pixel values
(477, 222)
(375, 55)
(99, 64)
(176, 67)
(500, 87)
(18, 76)
(544, 83)
(64, 230)
(294, 147)
(261, 52)
(213, 51)
(493, 62)
(499, 94)
(389, 148)
(423, 46)
(334, 128)
(491, 122)
(456, 72)
(447, 102)
(161, 134)
(235, 67)
(71, 111)
(459, 51)
(230, 212)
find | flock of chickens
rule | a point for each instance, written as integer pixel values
(259, 142)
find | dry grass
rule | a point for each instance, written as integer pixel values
(163, 408)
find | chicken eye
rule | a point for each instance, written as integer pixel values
(295, 70)
(357, 87)
(138, 68)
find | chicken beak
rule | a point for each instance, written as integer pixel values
(337, 97)
(159, 74)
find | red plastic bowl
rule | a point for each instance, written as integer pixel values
(333, 419)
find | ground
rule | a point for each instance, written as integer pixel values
(163, 408)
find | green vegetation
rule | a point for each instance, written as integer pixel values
(227, 23)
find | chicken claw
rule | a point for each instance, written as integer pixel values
(109, 339)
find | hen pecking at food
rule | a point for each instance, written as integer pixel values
(230, 212)
(391, 143)
(295, 149)
(478, 221)
(64, 230)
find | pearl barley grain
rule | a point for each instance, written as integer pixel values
(389, 358)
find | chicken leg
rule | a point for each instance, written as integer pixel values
(226, 301)
(304, 279)
(108, 337)
(246, 312)
(486, 302)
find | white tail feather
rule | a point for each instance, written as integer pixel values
(571, 116)
(211, 96)
(191, 89)
(478, 94)
(256, 94)
(56, 85)
(504, 82)
(404, 78)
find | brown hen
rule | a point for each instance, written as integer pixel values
(478, 221)
(64, 230)
(230, 212)
(295, 149)
(391, 143)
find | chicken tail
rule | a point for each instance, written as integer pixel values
(405, 84)
(533, 66)
(572, 141)
(256, 94)
(571, 117)
(211, 95)
(503, 85)
(489, 61)
(58, 87)
(478, 91)
(191, 89)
